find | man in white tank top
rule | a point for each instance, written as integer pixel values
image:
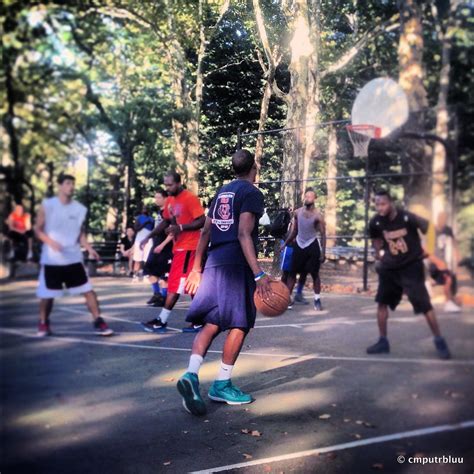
(308, 254)
(59, 226)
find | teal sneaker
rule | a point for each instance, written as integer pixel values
(224, 391)
(188, 387)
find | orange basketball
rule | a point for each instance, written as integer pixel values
(277, 304)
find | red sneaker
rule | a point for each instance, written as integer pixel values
(101, 328)
(43, 329)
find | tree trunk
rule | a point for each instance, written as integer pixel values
(186, 125)
(331, 202)
(410, 55)
(438, 190)
(313, 92)
(10, 24)
(177, 65)
(112, 218)
(267, 95)
(297, 98)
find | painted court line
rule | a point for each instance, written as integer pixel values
(387, 360)
(114, 318)
(340, 447)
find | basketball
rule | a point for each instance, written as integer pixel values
(277, 303)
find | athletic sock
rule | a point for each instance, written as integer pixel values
(164, 315)
(317, 296)
(156, 287)
(225, 372)
(195, 362)
(164, 292)
(299, 289)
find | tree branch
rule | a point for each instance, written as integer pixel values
(349, 55)
(227, 66)
(279, 93)
(262, 31)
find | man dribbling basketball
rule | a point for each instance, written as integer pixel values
(224, 291)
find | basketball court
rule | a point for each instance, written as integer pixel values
(75, 402)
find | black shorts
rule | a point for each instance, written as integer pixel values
(307, 260)
(53, 278)
(158, 264)
(68, 275)
(440, 276)
(410, 279)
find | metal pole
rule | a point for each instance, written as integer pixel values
(88, 190)
(366, 226)
(239, 139)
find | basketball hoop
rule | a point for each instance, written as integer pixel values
(361, 135)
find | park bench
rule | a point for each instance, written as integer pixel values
(109, 253)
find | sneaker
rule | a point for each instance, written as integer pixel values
(317, 305)
(224, 391)
(156, 300)
(192, 328)
(380, 347)
(299, 298)
(451, 307)
(135, 279)
(442, 348)
(155, 325)
(43, 330)
(188, 387)
(291, 303)
(101, 328)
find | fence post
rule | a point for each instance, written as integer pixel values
(366, 226)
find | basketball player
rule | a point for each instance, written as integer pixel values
(285, 267)
(440, 264)
(224, 298)
(401, 268)
(441, 275)
(158, 264)
(183, 217)
(60, 227)
(307, 254)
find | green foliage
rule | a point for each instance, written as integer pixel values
(94, 83)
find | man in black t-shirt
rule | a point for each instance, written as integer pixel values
(401, 270)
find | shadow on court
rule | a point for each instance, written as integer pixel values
(75, 402)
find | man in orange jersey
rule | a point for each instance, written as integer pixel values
(183, 217)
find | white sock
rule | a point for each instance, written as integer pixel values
(164, 315)
(316, 296)
(195, 362)
(225, 372)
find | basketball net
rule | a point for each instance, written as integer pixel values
(360, 136)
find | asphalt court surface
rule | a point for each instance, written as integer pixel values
(75, 402)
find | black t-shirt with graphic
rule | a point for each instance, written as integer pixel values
(401, 241)
(229, 203)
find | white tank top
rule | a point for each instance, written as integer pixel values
(63, 223)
